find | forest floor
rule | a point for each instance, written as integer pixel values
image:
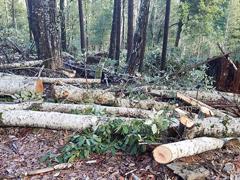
(21, 150)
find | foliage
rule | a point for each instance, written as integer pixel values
(27, 96)
(115, 135)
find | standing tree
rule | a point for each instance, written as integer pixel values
(130, 28)
(13, 9)
(43, 24)
(81, 22)
(63, 26)
(179, 25)
(115, 39)
(165, 35)
(139, 40)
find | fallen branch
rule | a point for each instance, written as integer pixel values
(169, 152)
(48, 169)
(21, 64)
(70, 80)
(50, 120)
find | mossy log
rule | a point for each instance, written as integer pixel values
(104, 97)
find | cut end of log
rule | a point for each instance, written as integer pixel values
(187, 122)
(162, 155)
(39, 86)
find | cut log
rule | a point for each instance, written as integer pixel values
(81, 108)
(215, 127)
(104, 97)
(203, 107)
(50, 120)
(19, 106)
(70, 80)
(11, 84)
(199, 95)
(21, 64)
(169, 152)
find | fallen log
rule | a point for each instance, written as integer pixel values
(215, 127)
(12, 84)
(21, 64)
(103, 97)
(84, 108)
(169, 152)
(70, 80)
(19, 106)
(50, 120)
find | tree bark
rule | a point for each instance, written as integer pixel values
(14, 23)
(139, 40)
(130, 28)
(165, 36)
(11, 84)
(28, 7)
(118, 33)
(21, 64)
(43, 22)
(169, 152)
(112, 46)
(81, 23)
(63, 25)
(123, 25)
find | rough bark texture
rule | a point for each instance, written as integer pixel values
(216, 127)
(165, 36)
(19, 106)
(179, 31)
(52, 120)
(118, 32)
(81, 23)
(69, 80)
(130, 28)
(13, 9)
(43, 23)
(169, 152)
(63, 26)
(102, 97)
(11, 84)
(139, 40)
(81, 108)
(21, 64)
(112, 46)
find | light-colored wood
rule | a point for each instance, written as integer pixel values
(52, 120)
(12, 84)
(21, 64)
(18, 106)
(169, 152)
(83, 108)
(70, 80)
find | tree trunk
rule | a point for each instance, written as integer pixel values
(29, 18)
(123, 25)
(14, 23)
(139, 40)
(43, 22)
(81, 23)
(130, 28)
(63, 25)
(179, 31)
(118, 33)
(112, 46)
(165, 36)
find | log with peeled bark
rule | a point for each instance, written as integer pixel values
(21, 64)
(83, 108)
(169, 152)
(50, 120)
(103, 97)
(69, 80)
(12, 84)
(18, 106)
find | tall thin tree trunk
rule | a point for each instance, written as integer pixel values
(112, 47)
(81, 22)
(130, 28)
(28, 14)
(14, 23)
(118, 33)
(165, 36)
(86, 25)
(123, 25)
(43, 23)
(6, 12)
(139, 40)
(179, 31)
(63, 25)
